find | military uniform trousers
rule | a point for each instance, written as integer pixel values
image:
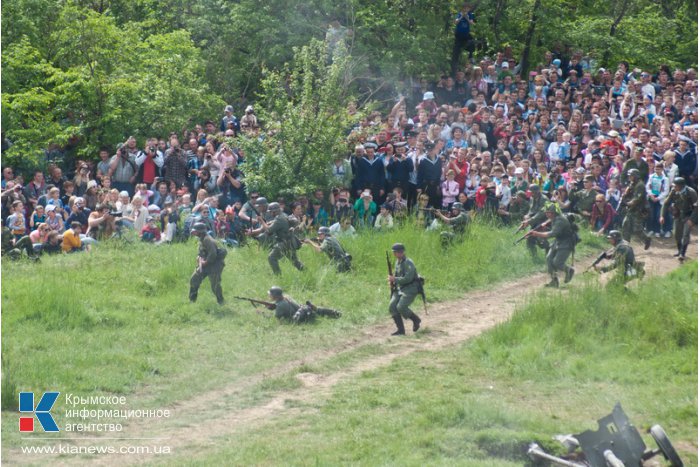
(280, 250)
(212, 271)
(399, 304)
(556, 260)
(681, 231)
(633, 224)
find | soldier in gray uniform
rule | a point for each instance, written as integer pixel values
(534, 217)
(622, 260)
(286, 309)
(637, 209)
(405, 282)
(683, 202)
(459, 223)
(210, 262)
(331, 246)
(564, 243)
(281, 235)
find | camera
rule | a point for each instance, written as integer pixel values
(152, 148)
(115, 213)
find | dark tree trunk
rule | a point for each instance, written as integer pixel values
(613, 28)
(525, 58)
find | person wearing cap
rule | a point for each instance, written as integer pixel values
(150, 232)
(634, 201)
(406, 285)
(249, 120)
(584, 199)
(400, 167)
(370, 173)
(229, 118)
(331, 247)
(430, 173)
(286, 309)
(518, 207)
(535, 216)
(458, 223)
(280, 234)
(683, 202)
(79, 212)
(53, 219)
(635, 162)
(210, 263)
(623, 260)
(563, 245)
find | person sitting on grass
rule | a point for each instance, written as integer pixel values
(71, 238)
(385, 220)
(150, 232)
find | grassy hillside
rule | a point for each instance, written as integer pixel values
(561, 363)
(118, 319)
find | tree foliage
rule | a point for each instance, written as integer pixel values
(83, 73)
(304, 107)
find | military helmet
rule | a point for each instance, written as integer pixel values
(633, 173)
(398, 247)
(199, 227)
(534, 188)
(615, 235)
(261, 200)
(680, 181)
(457, 205)
(275, 291)
(273, 206)
(324, 230)
(551, 208)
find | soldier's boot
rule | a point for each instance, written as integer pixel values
(400, 330)
(299, 265)
(679, 245)
(647, 241)
(416, 321)
(554, 283)
(193, 296)
(220, 298)
(569, 275)
(684, 248)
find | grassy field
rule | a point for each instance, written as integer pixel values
(117, 320)
(561, 363)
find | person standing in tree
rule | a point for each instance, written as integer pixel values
(463, 36)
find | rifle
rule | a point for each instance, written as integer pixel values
(601, 257)
(531, 230)
(255, 302)
(392, 286)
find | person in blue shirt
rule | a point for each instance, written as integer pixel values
(463, 36)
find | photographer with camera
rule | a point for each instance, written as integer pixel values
(101, 223)
(231, 184)
(150, 163)
(123, 169)
(175, 163)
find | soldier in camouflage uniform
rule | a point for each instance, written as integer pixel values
(635, 201)
(281, 235)
(210, 262)
(406, 283)
(683, 201)
(622, 260)
(534, 217)
(331, 246)
(584, 199)
(459, 223)
(286, 309)
(564, 243)
(518, 207)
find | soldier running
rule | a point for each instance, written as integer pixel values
(210, 262)
(683, 202)
(637, 209)
(563, 245)
(406, 286)
(534, 217)
(281, 235)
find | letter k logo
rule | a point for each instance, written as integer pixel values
(26, 404)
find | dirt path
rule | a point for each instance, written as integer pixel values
(449, 323)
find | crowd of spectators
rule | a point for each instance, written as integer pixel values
(481, 136)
